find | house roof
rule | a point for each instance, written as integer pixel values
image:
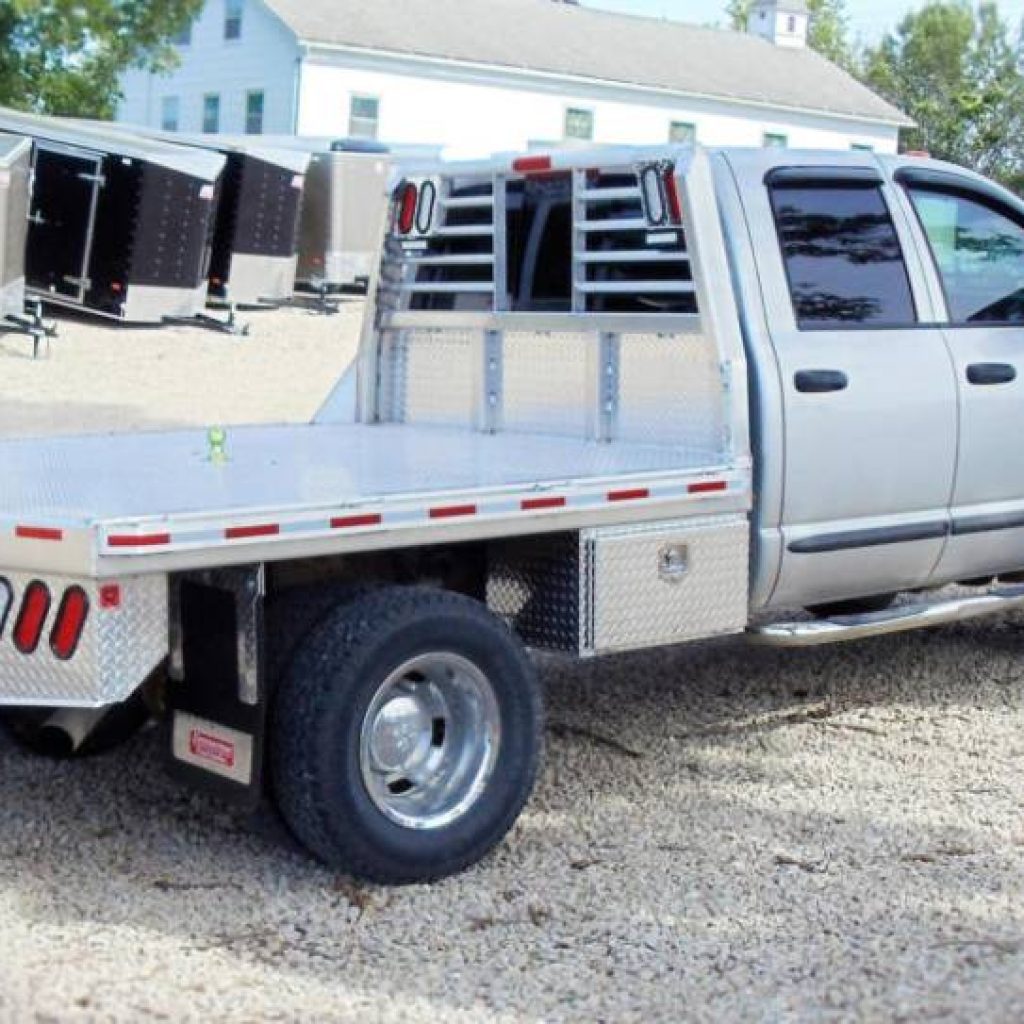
(566, 39)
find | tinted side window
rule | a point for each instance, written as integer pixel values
(842, 256)
(979, 251)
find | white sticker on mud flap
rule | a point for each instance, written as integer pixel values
(213, 747)
(206, 193)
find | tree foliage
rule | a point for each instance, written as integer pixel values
(956, 71)
(65, 56)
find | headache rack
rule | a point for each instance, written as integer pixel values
(542, 238)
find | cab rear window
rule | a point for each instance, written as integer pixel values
(843, 258)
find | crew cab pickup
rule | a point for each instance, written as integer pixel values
(605, 400)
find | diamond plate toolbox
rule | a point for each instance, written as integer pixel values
(122, 639)
(626, 588)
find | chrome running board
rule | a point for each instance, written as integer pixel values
(840, 629)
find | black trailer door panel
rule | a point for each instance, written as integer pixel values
(62, 220)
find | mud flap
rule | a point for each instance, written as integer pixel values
(217, 695)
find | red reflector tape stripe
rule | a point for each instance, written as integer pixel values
(35, 606)
(637, 494)
(140, 540)
(355, 522)
(708, 487)
(452, 511)
(69, 624)
(38, 533)
(539, 504)
(244, 532)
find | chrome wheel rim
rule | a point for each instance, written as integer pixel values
(429, 741)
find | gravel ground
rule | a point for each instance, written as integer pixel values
(721, 832)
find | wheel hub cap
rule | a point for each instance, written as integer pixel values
(429, 740)
(401, 732)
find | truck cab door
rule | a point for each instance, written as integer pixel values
(866, 443)
(973, 234)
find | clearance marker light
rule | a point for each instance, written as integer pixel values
(532, 164)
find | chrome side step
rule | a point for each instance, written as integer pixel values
(840, 629)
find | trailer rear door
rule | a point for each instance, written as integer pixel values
(64, 200)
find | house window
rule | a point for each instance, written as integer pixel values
(682, 133)
(170, 113)
(774, 140)
(862, 147)
(254, 102)
(233, 19)
(211, 113)
(791, 24)
(363, 117)
(579, 123)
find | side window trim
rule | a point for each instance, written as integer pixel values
(853, 179)
(978, 191)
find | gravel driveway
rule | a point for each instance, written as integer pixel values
(721, 832)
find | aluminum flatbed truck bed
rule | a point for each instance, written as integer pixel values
(544, 444)
(100, 506)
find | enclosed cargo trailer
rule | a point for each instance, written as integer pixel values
(344, 202)
(256, 237)
(119, 225)
(15, 174)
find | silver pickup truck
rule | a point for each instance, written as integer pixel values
(605, 401)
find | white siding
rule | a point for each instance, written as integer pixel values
(468, 111)
(266, 57)
(441, 106)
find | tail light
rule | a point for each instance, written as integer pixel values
(35, 606)
(69, 624)
(425, 209)
(407, 203)
(675, 207)
(659, 194)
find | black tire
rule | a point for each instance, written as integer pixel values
(855, 606)
(317, 719)
(28, 729)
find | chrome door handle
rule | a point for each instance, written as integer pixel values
(991, 373)
(819, 382)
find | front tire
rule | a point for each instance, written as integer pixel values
(405, 735)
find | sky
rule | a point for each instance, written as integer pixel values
(869, 19)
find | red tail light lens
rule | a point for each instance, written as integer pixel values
(407, 204)
(70, 622)
(35, 606)
(675, 208)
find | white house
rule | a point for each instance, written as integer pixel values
(479, 76)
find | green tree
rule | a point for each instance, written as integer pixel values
(956, 71)
(65, 56)
(829, 29)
